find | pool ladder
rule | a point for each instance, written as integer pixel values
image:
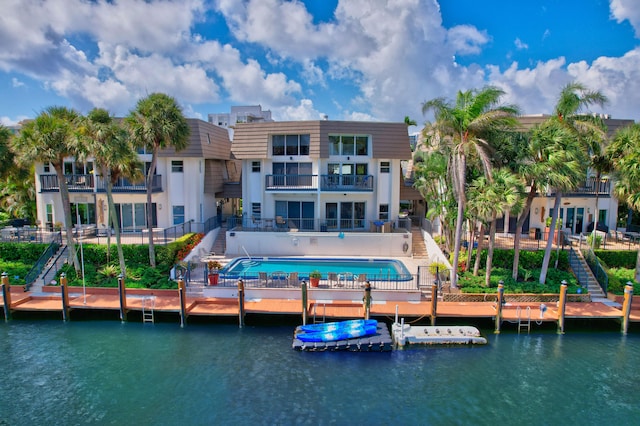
(324, 312)
(148, 303)
(524, 323)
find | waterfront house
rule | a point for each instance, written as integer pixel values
(188, 186)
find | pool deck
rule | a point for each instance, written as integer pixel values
(168, 301)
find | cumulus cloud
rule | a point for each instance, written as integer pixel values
(622, 10)
(520, 45)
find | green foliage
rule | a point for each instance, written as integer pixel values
(529, 260)
(24, 252)
(470, 284)
(598, 240)
(315, 274)
(618, 279)
(617, 258)
(439, 239)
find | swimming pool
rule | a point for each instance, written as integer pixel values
(375, 269)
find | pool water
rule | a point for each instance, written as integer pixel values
(373, 268)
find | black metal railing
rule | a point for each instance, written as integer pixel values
(347, 183)
(37, 268)
(124, 185)
(596, 268)
(291, 182)
(89, 183)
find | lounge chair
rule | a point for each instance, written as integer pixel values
(280, 222)
(263, 279)
(361, 280)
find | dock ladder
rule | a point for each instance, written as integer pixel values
(524, 323)
(148, 303)
(324, 312)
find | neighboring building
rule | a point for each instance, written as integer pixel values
(578, 207)
(188, 185)
(240, 114)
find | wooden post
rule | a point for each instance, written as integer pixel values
(367, 300)
(626, 307)
(241, 303)
(562, 306)
(499, 307)
(305, 305)
(64, 292)
(434, 302)
(123, 298)
(182, 294)
(6, 296)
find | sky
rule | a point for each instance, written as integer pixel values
(363, 60)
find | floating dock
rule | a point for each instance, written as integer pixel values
(379, 342)
(404, 334)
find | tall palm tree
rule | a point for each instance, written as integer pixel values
(588, 133)
(157, 123)
(114, 155)
(463, 125)
(50, 138)
(624, 152)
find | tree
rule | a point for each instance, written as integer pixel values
(463, 125)
(157, 123)
(115, 157)
(624, 153)
(587, 132)
(49, 138)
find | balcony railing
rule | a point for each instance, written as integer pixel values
(589, 188)
(342, 183)
(291, 182)
(89, 183)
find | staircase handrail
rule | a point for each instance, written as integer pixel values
(37, 268)
(597, 269)
(54, 265)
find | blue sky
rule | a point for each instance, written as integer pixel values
(352, 60)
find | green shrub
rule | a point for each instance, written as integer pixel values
(617, 258)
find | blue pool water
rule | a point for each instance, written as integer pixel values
(105, 372)
(373, 268)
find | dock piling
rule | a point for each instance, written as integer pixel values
(562, 306)
(241, 303)
(6, 296)
(305, 304)
(182, 294)
(367, 300)
(64, 292)
(626, 306)
(123, 298)
(434, 301)
(499, 307)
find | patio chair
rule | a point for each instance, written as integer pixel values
(280, 222)
(263, 279)
(362, 280)
(279, 279)
(293, 279)
(332, 278)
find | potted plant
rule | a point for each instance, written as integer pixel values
(548, 229)
(214, 266)
(314, 278)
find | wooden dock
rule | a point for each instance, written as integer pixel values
(380, 342)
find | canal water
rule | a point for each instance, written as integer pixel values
(105, 372)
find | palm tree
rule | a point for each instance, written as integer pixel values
(588, 133)
(157, 123)
(115, 157)
(49, 138)
(463, 126)
(624, 152)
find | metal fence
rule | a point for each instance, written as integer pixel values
(42, 261)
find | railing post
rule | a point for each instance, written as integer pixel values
(123, 298)
(499, 307)
(562, 305)
(241, 303)
(305, 304)
(64, 292)
(6, 295)
(626, 307)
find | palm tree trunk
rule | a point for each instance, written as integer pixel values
(552, 229)
(66, 208)
(470, 247)
(152, 168)
(595, 220)
(113, 218)
(519, 223)
(476, 265)
(462, 165)
(492, 240)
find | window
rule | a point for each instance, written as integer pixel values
(348, 145)
(346, 173)
(385, 167)
(85, 212)
(50, 213)
(177, 166)
(298, 213)
(178, 215)
(345, 215)
(292, 174)
(47, 168)
(255, 166)
(133, 217)
(256, 210)
(383, 212)
(290, 144)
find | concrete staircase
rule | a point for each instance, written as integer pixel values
(196, 286)
(48, 272)
(586, 278)
(418, 247)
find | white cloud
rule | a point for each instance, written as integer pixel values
(466, 39)
(628, 10)
(303, 111)
(520, 45)
(16, 82)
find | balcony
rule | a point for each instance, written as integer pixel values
(75, 183)
(291, 182)
(347, 183)
(89, 183)
(589, 189)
